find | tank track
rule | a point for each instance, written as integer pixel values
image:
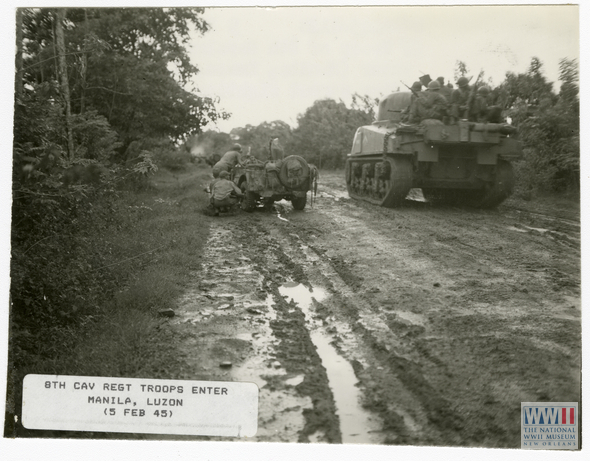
(380, 180)
(489, 197)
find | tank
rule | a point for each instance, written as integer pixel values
(464, 163)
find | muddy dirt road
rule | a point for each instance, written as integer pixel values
(417, 326)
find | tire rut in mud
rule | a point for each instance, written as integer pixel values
(295, 350)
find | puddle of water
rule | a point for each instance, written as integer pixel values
(355, 422)
(516, 229)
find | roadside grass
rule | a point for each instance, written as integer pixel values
(154, 243)
(173, 225)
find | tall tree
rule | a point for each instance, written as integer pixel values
(131, 65)
(325, 132)
(461, 70)
(63, 71)
(18, 83)
(548, 125)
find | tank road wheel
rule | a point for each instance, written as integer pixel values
(399, 183)
(299, 202)
(383, 181)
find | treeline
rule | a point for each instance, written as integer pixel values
(323, 134)
(102, 96)
(549, 127)
(548, 123)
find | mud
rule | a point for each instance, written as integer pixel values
(419, 325)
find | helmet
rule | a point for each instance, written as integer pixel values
(223, 175)
(483, 90)
(416, 86)
(462, 82)
(434, 85)
(236, 147)
(216, 171)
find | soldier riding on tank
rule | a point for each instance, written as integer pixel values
(459, 162)
(432, 106)
(459, 99)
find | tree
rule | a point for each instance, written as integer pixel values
(326, 130)
(63, 74)
(131, 65)
(461, 70)
(257, 138)
(209, 145)
(18, 83)
(548, 126)
(527, 91)
(568, 74)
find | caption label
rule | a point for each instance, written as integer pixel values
(153, 406)
(549, 425)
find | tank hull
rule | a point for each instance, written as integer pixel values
(465, 163)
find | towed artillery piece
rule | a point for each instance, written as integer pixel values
(466, 163)
(267, 182)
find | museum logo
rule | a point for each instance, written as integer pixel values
(549, 426)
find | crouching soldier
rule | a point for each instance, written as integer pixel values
(224, 193)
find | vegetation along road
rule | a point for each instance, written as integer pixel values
(419, 325)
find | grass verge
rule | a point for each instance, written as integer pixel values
(154, 241)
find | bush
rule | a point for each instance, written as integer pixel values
(174, 160)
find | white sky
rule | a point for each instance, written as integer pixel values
(273, 63)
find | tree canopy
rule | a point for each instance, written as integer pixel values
(325, 131)
(130, 65)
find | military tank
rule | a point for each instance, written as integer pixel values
(465, 163)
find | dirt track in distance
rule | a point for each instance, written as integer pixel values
(419, 325)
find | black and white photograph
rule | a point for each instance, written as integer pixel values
(293, 227)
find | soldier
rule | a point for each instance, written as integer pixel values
(416, 89)
(229, 160)
(459, 98)
(479, 111)
(444, 89)
(432, 106)
(224, 193)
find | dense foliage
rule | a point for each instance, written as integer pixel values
(87, 129)
(257, 138)
(549, 127)
(128, 64)
(324, 132)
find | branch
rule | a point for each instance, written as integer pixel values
(107, 89)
